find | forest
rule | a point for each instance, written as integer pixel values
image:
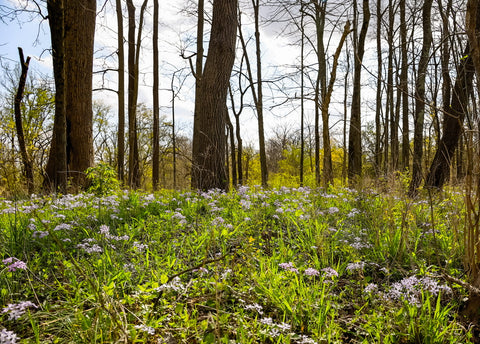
(283, 171)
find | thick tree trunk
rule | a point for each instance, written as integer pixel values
(121, 95)
(156, 110)
(355, 134)
(404, 88)
(378, 108)
(208, 169)
(453, 119)
(27, 163)
(419, 115)
(56, 170)
(79, 37)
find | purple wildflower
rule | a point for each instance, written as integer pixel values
(329, 272)
(14, 264)
(15, 311)
(311, 272)
(8, 337)
(288, 266)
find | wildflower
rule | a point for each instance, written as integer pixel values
(104, 229)
(355, 266)
(410, 289)
(370, 288)
(39, 234)
(306, 340)
(16, 310)
(255, 307)
(329, 272)
(267, 321)
(14, 264)
(8, 337)
(90, 248)
(218, 221)
(139, 246)
(288, 266)
(333, 210)
(62, 226)
(145, 328)
(311, 272)
(175, 285)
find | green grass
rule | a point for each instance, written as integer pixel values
(253, 266)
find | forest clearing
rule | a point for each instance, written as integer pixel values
(266, 171)
(251, 266)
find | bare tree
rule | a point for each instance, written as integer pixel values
(355, 133)
(208, 166)
(420, 98)
(27, 162)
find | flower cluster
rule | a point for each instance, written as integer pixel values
(8, 337)
(311, 272)
(288, 267)
(13, 264)
(145, 328)
(330, 272)
(16, 310)
(410, 289)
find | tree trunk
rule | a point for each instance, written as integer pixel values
(453, 119)
(404, 88)
(302, 94)
(121, 96)
(393, 161)
(321, 81)
(232, 148)
(355, 134)
(198, 73)
(378, 109)
(327, 150)
(208, 168)
(27, 163)
(79, 39)
(259, 102)
(56, 170)
(133, 66)
(420, 98)
(156, 110)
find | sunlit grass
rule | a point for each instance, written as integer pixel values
(251, 266)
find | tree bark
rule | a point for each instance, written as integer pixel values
(378, 109)
(355, 133)
(156, 110)
(327, 149)
(453, 119)
(420, 98)
(208, 167)
(121, 95)
(27, 162)
(404, 88)
(133, 72)
(321, 81)
(56, 170)
(80, 18)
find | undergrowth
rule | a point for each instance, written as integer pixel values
(250, 266)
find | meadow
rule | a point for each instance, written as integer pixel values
(289, 265)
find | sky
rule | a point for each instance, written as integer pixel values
(177, 32)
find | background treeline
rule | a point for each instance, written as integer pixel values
(375, 89)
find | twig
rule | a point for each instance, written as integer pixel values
(464, 284)
(205, 262)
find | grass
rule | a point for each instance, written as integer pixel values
(251, 266)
